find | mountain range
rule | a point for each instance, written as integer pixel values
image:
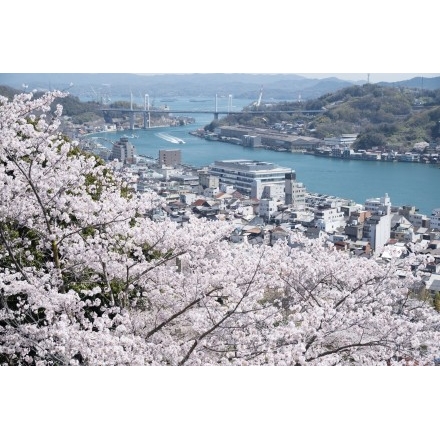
(88, 86)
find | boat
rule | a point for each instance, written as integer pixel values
(198, 100)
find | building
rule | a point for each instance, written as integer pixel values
(329, 219)
(343, 140)
(251, 177)
(294, 192)
(267, 209)
(377, 228)
(416, 219)
(123, 151)
(435, 219)
(208, 181)
(170, 158)
(252, 141)
(378, 205)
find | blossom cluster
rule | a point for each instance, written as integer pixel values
(87, 278)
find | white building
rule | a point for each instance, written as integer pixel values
(251, 177)
(294, 192)
(435, 219)
(329, 219)
(264, 190)
(123, 151)
(267, 208)
(377, 228)
(378, 205)
(344, 140)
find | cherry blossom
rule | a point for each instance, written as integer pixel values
(86, 278)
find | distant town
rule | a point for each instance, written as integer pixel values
(286, 137)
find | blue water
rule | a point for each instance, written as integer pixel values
(413, 184)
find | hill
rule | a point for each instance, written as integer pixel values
(395, 117)
(89, 86)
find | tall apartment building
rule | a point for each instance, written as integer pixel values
(294, 192)
(170, 158)
(251, 177)
(123, 151)
(377, 228)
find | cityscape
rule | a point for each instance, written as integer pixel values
(265, 201)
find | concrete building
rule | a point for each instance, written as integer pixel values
(208, 181)
(377, 228)
(344, 140)
(435, 219)
(267, 209)
(251, 141)
(123, 151)
(251, 177)
(294, 192)
(170, 158)
(329, 219)
(416, 219)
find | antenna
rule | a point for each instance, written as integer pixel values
(368, 78)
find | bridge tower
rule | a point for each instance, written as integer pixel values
(147, 116)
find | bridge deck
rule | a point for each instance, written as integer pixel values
(218, 112)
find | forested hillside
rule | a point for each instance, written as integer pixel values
(394, 117)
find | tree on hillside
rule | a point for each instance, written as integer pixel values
(87, 278)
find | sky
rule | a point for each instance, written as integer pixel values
(179, 37)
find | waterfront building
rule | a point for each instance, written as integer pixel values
(304, 143)
(408, 157)
(251, 177)
(170, 158)
(251, 141)
(343, 140)
(123, 151)
(435, 219)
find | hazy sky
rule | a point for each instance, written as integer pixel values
(235, 37)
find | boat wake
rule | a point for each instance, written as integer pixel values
(169, 138)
